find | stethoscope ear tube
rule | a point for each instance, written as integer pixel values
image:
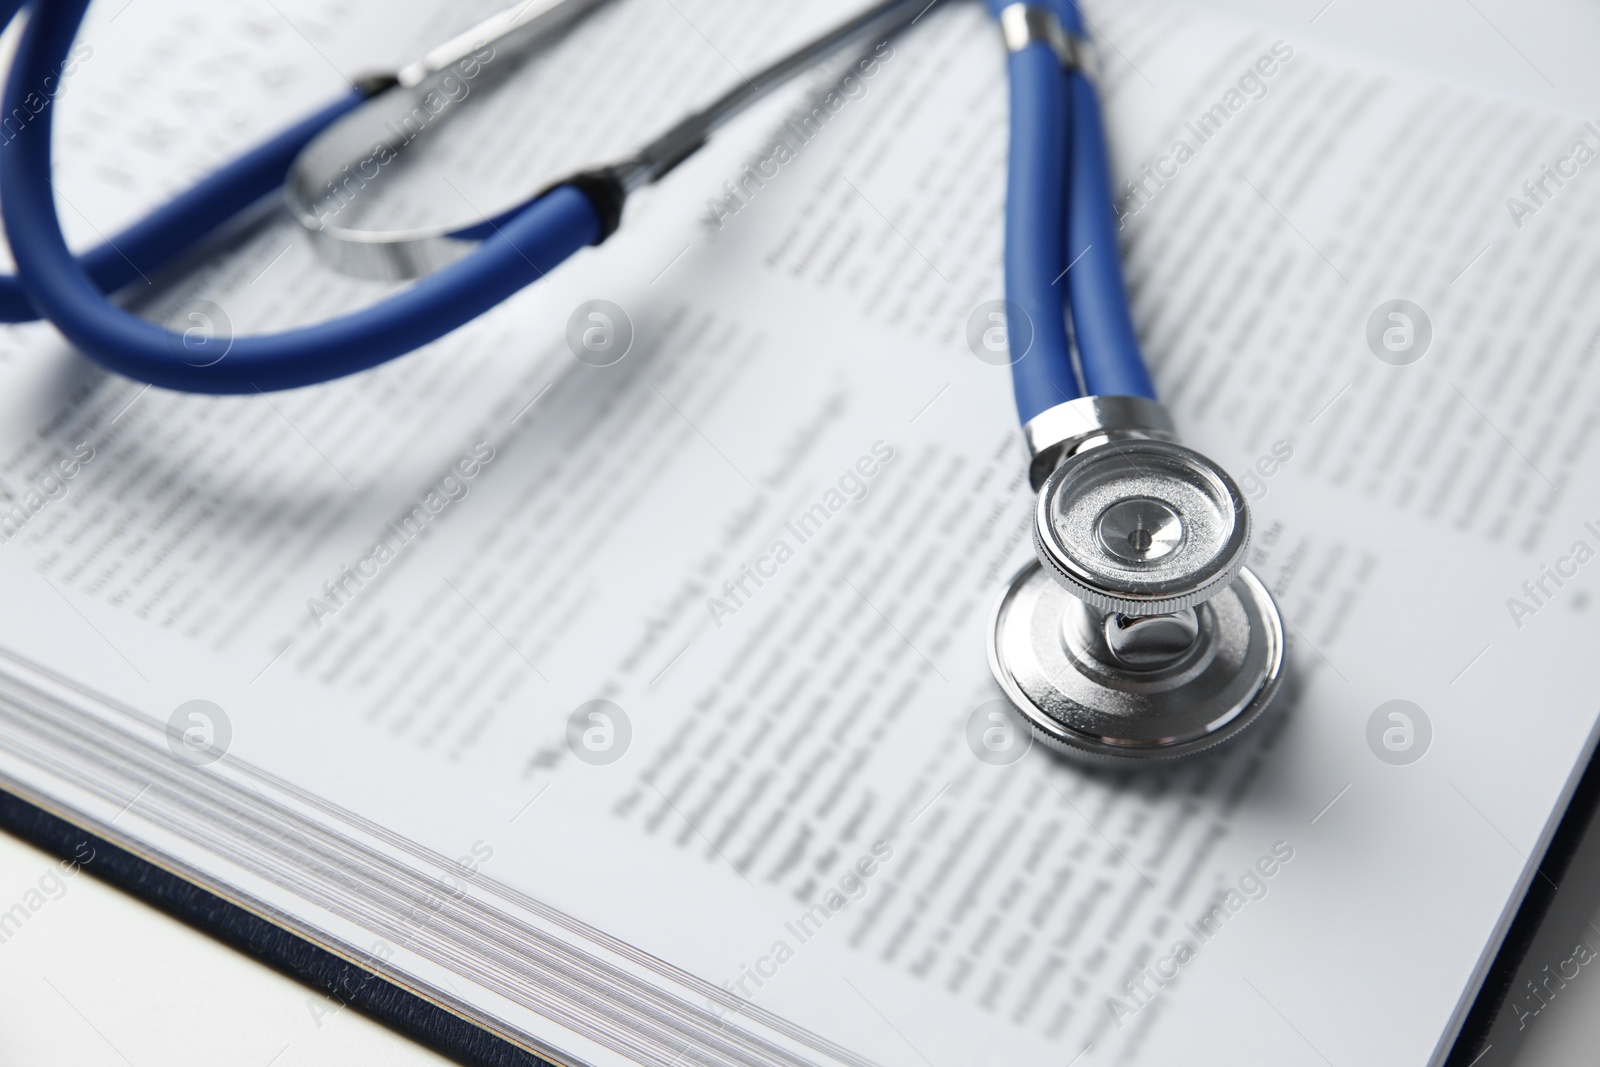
(330, 174)
(523, 250)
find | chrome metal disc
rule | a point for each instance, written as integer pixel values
(1043, 652)
(1142, 527)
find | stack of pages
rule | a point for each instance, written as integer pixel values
(620, 703)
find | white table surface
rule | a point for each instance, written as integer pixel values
(96, 977)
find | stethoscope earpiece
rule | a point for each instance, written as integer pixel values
(1138, 632)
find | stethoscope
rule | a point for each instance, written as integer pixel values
(1137, 632)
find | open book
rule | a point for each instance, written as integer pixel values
(620, 704)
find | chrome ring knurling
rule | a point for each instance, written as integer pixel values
(1100, 586)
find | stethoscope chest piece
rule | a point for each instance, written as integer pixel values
(1137, 633)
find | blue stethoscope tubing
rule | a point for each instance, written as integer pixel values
(1058, 144)
(1059, 212)
(523, 249)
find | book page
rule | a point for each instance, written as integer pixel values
(686, 645)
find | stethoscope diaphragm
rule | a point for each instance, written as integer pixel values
(1141, 527)
(1137, 632)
